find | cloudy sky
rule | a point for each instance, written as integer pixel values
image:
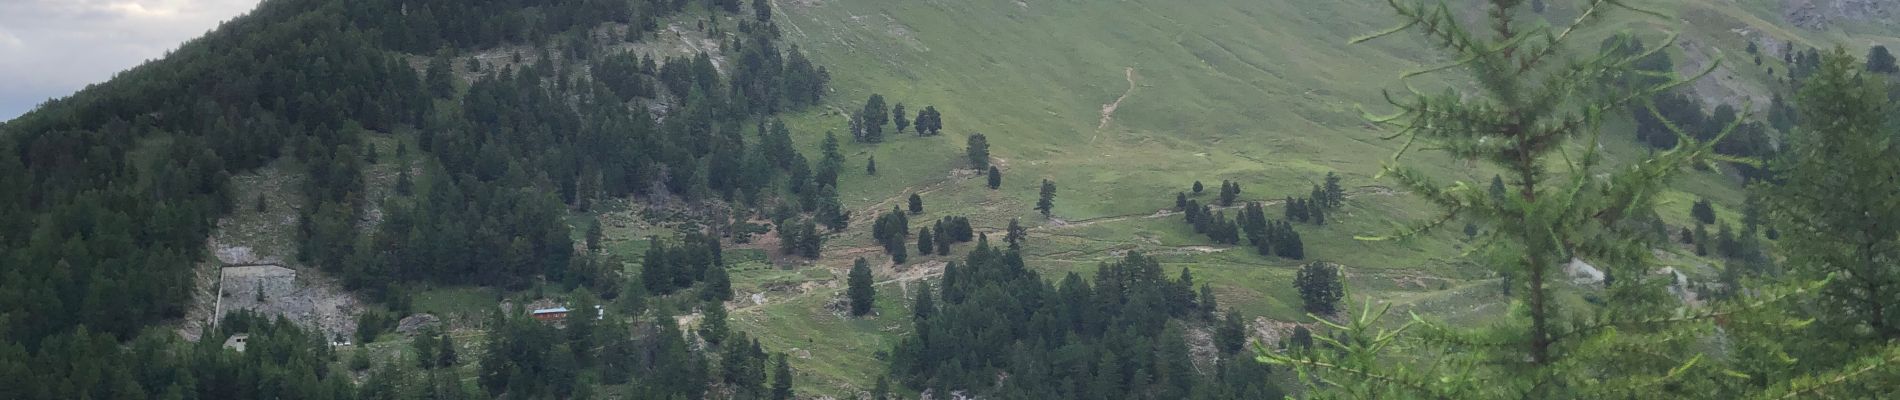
(51, 48)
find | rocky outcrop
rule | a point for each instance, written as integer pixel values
(1820, 14)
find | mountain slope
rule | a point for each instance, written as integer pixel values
(1123, 104)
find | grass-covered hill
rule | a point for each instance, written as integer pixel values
(1123, 104)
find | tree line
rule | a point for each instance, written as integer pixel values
(995, 328)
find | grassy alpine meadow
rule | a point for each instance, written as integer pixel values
(1124, 104)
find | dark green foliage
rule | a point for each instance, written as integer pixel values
(1180, 201)
(871, 120)
(1229, 191)
(943, 239)
(893, 231)
(1880, 60)
(718, 285)
(902, 121)
(1015, 233)
(1230, 337)
(977, 150)
(1046, 200)
(594, 236)
(916, 204)
(870, 166)
(1320, 287)
(1334, 194)
(995, 178)
(713, 326)
(782, 379)
(926, 244)
(667, 267)
(1703, 211)
(860, 288)
(929, 121)
(1112, 338)
(309, 80)
(1198, 187)
(957, 228)
(1836, 206)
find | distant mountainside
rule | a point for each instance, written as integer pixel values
(705, 154)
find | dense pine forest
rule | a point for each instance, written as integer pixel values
(660, 199)
(116, 187)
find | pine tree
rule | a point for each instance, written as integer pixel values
(1703, 211)
(1015, 234)
(1228, 192)
(718, 285)
(439, 77)
(1335, 195)
(860, 287)
(926, 244)
(873, 118)
(1198, 187)
(870, 166)
(977, 150)
(782, 379)
(996, 178)
(916, 204)
(713, 326)
(594, 236)
(1881, 61)
(924, 307)
(1531, 99)
(902, 120)
(1319, 287)
(1046, 201)
(1180, 201)
(1230, 336)
(944, 241)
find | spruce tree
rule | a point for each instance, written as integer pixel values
(1015, 234)
(782, 379)
(1198, 187)
(903, 121)
(1046, 201)
(924, 307)
(977, 150)
(713, 326)
(860, 287)
(873, 118)
(916, 204)
(1335, 195)
(995, 178)
(944, 241)
(926, 244)
(1880, 60)
(1703, 211)
(1180, 201)
(870, 166)
(1530, 98)
(1320, 288)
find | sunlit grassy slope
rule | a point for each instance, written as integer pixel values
(1264, 93)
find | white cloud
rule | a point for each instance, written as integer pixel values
(50, 48)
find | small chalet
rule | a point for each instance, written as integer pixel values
(550, 314)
